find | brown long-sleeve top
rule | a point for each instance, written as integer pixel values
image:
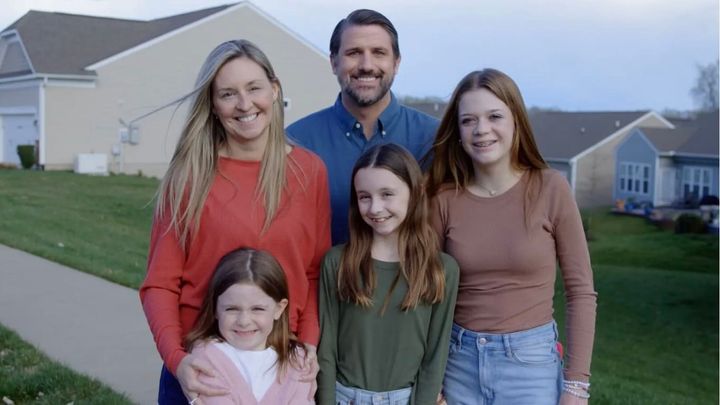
(508, 264)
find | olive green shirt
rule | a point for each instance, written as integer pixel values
(362, 349)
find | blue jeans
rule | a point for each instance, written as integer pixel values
(355, 396)
(170, 392)
(513, 368)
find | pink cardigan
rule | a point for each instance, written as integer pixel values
(289, 391)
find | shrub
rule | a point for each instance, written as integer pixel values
(27, 155)
(689, 223)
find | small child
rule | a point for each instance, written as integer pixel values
(387, 297)
(243, 331)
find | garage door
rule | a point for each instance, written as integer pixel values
(17, 130)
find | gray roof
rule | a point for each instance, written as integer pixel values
(59, 43)
(700, 136)
(563, 135)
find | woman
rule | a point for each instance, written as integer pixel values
(233, 181)
(508, 219)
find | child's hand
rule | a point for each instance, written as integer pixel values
(310, 369)
(440, 400)
(188, 371)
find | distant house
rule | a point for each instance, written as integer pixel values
(664, 166)
(67, 81)
(582, 146)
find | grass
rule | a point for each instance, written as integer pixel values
(27, 376)
(657, 325)
(100, 225)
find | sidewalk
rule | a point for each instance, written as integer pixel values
(91, 325)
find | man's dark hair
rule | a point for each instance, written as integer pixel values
(364, 17)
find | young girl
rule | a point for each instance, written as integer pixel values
(387, 297)
(508, 220)
(243, 331)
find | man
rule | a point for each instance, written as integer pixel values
(365, 56)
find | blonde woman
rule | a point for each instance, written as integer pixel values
(234, 180)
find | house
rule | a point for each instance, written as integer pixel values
(669, 165)
(77, 84)
(582, 146)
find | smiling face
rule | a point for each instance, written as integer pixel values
(486, 128)
(246, 315)
(243, 98)
(382, 200)
(365, 64)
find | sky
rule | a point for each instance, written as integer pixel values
(574, 55)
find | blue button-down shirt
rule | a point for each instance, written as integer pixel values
(338, 138)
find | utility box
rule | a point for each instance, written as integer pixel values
(91, 163)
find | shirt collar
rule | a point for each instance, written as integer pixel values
(348, 121)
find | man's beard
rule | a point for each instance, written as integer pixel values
(368, 100)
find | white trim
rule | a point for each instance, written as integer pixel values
(619, 132)
(695, 155)
(573, 176)
(194, 24)
(41, 76)
(20, 85)
(557, 160)
(70, 83)
(42, 141)
(691, 169)
(17, 110)
(657, 187)
(9, 33)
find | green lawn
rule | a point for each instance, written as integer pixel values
(657, 327)
(27, 376)
(100, 225)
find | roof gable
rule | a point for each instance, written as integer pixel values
(563, 135)
(13, 60)
(700, 136)
(59, 43)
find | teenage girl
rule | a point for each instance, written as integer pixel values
(387, 296)
(509, 220)
(243, 331)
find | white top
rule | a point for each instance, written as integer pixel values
(259, 367)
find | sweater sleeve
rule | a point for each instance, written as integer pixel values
(432, 369)
(329, 318)
(308, 325)
(160, 293)
(221, 380)
(438, 218)
(574, 260)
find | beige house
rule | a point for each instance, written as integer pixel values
(582, 145)
(72, 83)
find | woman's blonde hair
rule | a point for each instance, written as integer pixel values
(186, 184)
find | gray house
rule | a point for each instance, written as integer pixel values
(68, 81)
(582, 146)
(663, 166)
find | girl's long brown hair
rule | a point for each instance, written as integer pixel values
(452, 167)
(418, 246)
(258, 268)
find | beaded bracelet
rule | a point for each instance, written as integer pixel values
(577, 388)
(577, 393)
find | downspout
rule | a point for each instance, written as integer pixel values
(41, 121)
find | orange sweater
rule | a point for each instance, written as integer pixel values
(233, 217)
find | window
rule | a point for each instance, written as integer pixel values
(696, 181)
(635, 178)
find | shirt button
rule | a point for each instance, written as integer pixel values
(483, 341)
(383, 132)
(347, 134)
(357, 125)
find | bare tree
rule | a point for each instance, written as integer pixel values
(705, 91)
